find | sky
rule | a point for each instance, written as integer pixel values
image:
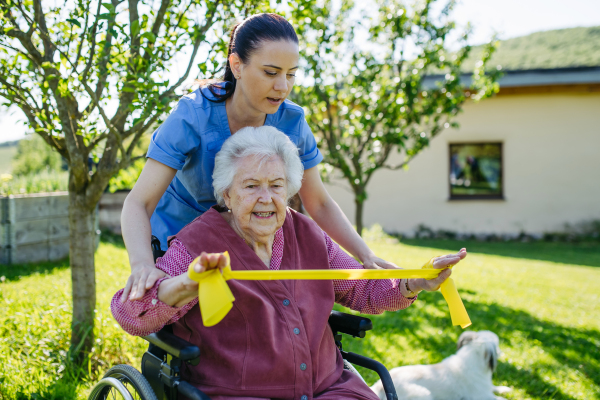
(506, 18)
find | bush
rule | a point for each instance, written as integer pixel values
(126, 178)
(582, 232)
(43, 182)
(35, 156)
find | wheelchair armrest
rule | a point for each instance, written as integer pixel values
(353, 325)
(174, 345)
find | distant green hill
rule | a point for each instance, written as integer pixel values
(574, 47)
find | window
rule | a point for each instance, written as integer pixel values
(476, 171)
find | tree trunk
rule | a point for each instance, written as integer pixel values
(82, 238)
(358, 215)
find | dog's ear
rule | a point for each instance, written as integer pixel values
(491, 355)
(465, 338)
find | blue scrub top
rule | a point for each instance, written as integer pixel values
(188, 141)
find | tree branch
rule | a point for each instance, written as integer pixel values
(41, 23)
(17, 51)
(105, 118)
(25, 40)
(141, 126)
(84, 75)
(200, 36)
(105, 57)
(85, 27)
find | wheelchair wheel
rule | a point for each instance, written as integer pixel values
(122, 382)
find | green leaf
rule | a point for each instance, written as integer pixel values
(150, 36)
(108, 6)
(135, 28)
(74, 22)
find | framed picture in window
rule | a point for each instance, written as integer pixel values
(476, 171)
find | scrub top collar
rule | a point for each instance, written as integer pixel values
(225, 122)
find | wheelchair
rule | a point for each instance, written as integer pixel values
(160, 377)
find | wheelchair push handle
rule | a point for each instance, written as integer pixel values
(174, 345)
(349, 324)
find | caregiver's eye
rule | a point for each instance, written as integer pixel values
(270, 73)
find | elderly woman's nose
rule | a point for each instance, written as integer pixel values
(264, 195)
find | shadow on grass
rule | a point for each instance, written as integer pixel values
(114, 239)
(583, 253)
(573, 348)
(17, 271)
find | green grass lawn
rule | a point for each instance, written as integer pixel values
(541, 299)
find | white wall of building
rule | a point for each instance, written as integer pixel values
(551, 167)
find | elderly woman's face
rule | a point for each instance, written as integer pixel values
(257, 197)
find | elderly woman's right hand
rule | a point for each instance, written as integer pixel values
(210, 261)
(180, 290)
(206, 262)
(442, 262)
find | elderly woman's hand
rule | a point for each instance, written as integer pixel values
(180, 290)
(442, 262)
(210, 261)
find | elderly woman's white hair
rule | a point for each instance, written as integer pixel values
(263, 142)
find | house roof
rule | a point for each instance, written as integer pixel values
(560, 48)
(558, 58)
(532, 77)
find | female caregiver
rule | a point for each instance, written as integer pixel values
(175, 185)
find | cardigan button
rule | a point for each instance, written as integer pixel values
(305, 397)
(296, 331)
(286, 302)
(303, 367)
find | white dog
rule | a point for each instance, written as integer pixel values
(466, 375)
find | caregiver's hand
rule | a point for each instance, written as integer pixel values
(142, 278)
(374, 262)
(442, 262)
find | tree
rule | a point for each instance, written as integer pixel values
(92, 78)
(367, 104)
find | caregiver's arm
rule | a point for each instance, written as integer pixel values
(325, 211)
(135, 225)
(168, 299)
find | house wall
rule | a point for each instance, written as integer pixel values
(551, 167)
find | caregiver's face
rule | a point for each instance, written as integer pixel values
(258, 196)
(268, 77)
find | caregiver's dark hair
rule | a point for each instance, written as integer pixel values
(246, 37)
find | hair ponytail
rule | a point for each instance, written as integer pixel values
(245, 38)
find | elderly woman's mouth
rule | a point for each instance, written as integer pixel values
(264, 214)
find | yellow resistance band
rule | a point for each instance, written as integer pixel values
(215, 297)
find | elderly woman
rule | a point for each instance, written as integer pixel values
(275, 342)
